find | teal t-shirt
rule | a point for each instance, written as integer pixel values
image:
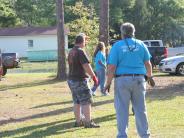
(129, 56)
(100, 56)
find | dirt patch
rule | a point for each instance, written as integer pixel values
(167, 87)
(172, 82)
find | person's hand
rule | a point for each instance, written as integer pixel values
(95, 80)
(150, 81)
(107, 88)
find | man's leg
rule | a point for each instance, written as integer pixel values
(139, 106)
(85, 100)
(86, 109)
(77, 112)
(121, 101)
(89, 123)
(74, 85)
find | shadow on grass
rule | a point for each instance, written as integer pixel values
(52, 104)
(41, 115)
(47, 114)
(30, 128)
(103, 102)
(30, 84)
(49, 129)
(69, 102)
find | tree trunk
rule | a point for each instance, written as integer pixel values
(61, 71)
(104, 22)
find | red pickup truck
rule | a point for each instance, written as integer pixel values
(157, 50)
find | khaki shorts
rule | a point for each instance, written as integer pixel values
(81, 92)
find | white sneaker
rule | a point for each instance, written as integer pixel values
(105, 94)
(93, 94)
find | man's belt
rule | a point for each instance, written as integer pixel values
(150, 80)
(132, 75)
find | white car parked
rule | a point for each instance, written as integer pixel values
(173, 65)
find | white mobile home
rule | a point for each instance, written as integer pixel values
(35, 43)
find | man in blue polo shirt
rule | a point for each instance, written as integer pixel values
(129, 62)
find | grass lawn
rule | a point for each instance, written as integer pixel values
(35, 67)
(37, 106)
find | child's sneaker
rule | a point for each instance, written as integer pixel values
(105, 94)
(91, 124)
(93, 94)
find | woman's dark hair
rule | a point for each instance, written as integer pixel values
(98, 48)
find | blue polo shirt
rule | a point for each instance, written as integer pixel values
(129, 57)
(100, 56)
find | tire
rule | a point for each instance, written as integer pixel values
(180, 69)
(4, 71)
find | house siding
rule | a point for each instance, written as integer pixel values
(14, 44)
(44, 46)
(42, 55)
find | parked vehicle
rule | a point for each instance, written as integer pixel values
(172, 65)
(153, 43)
(157, 50)
(9, 61)
(174, 51)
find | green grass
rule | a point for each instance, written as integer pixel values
(35, 67)
(38, 106)
(40, 67)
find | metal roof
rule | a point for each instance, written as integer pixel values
(27, 31)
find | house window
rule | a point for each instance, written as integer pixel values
(30, 43)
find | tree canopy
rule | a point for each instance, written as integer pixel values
(153, 19)
(7, 13)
